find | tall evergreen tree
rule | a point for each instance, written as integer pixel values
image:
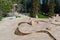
(35, 8)
(51, 8)
(44, 6)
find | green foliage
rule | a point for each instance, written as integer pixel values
(17, 16)
(51, 8)
(5, 6)
(35, 8)
(25, 1)
(42, 16)
(0, 18)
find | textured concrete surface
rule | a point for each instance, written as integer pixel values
(8, 27)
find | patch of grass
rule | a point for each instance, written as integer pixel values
(42, 16)
(0, 18)
(17, 16)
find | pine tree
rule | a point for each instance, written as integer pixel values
(35, 8)
(51, 8)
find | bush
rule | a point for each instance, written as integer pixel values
(5, 6)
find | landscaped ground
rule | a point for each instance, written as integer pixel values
(8, 27)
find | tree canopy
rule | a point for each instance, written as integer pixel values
(5, 6)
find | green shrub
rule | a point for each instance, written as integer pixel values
(5, 6)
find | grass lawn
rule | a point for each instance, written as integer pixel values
(17, 16)
(42, 16)
(0, 18)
